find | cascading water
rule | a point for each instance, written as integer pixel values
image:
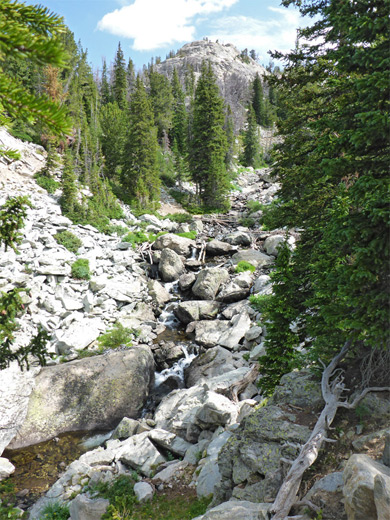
(177, 370)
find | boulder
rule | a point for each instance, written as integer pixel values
(170, 265)
(215, 361)
(158, 292)
(218, 248)
(195, 310)
(252, 256)
(237, 289)
(298, 389)
(85, 508)
(217, 410)
(125, 429)
(186, 281)
(87, 394)
(143, 491)
(6, 468)
(180, 245)
(242, 510)
(172, 472)
(140, 453)
(238, 238)
(262, 285)
(225, 333)
(169, 441)
(272, 244)
(366, 488)
(79, 335)
(208, 282)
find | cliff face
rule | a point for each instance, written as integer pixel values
(234, 76)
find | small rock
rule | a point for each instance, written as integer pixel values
(143, 492)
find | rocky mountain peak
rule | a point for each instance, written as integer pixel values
(234, 74)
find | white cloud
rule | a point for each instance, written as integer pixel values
(275, 33)
(159, 23)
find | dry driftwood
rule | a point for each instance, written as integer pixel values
(239, 386)
(332, 389)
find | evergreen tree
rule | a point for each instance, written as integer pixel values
(208, 145)
(162, 102)
(258, 101)
(251, 153)
(179, 119)
(119, 80)
(69, 187)
(333, 169)
(113, 134)
(105, 94)
(130, 76)
(140, 172)
(229, 130)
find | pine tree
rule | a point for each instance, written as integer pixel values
(69, 187)
(258, 101)
(162, 102)
(105, 94)
(140, 172)
(130, 76)
(208, 145)
(251, 153)
(113, 134)
(179, 119)
(229, 130)
(119, 80)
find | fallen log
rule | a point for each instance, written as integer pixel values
(332, 386)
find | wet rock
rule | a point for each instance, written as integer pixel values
(195, 310)
(238, 238)
(87, 394)
(180, 245)
(170, 266)
(186, 281)
(215, 361)
(208, 282)
(158, 292)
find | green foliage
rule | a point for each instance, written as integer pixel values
(12, 215)
(123, 504)
(333, 169)
(181, 218)
(8, 511)
(166, 167)
(245, 266)
(140, 173)
(116, 337)
(247, 222)
(113, 135)
(55, 511)
(208, 144)
(68, 240)
(68, 201)
(253, 206)
(50, 185)
(161, 98)
(188, 234)
(80, 269)
(135, 237)
(119, 84)
(29, 33)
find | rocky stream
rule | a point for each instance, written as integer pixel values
(182, 400)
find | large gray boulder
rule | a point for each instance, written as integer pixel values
(238, 238)
(85, 508)
(225, 333)
(219, 248)
(140, 453)
(181, 245)
(208, 282)
(158, 292)
(252, 256)
(237, 289)
(87, 394)
(214, 362)
(366, 489)
(300, 389)
(170, 266)
(195, 310)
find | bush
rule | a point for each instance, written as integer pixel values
(55, 511)
(247, 222)
(253, 206)
(188, 234)
(117, 336)
(49, 184)
(68, 240)
(136, 237)
(260, 302)
(80, 269)
(245, 266)
(180, 218)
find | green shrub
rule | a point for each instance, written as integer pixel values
(260, 302)
(80, 269)
(247, 222)
(136, 237)
(55, 511)
(245, 266)
(111, 229)
(8, 501)
(181, 218)
(253, 206)
(117, 336)
(49, 184)
(68, 240)
(188, 234)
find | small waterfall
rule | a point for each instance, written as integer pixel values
(177, 370)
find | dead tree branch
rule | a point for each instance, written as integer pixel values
(332, 386)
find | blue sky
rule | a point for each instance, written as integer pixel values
(148, 28)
